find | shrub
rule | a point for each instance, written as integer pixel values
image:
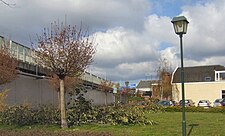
(46, 114)
(136, 98)
(3, 96)
(147, 105)
(80, 111)
(195, 109)
(17, 115)
(121, 114)
(153, 108)
(24, 115)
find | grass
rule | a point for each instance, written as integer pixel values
(168, 124)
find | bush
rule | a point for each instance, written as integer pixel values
(121, 114)
(24, 115)
(153, 108)
(46, 115)
(3, 96)
(82, 112)
(195, 109)
(136, 98)
(17, 115)
(79, 111)
(147, 105)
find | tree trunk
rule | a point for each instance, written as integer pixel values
(62, 104)
(106, 103)
(161, 92)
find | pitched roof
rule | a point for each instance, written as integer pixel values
(197, 73)
(145, 84)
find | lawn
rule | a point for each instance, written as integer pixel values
(168, 124)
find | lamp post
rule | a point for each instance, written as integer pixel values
(126, 92)
(180, 26)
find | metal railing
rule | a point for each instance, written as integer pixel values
(26, 57)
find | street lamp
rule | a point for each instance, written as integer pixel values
(126, 92)
(180, 26)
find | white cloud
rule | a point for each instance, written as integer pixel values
(205, 32)
(128, 51)
(130, 42)
(124, 50)
(121, 45)
(29, 17)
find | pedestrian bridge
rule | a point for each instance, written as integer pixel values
(28, 66)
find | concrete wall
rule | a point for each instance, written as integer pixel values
(27, 89)
(199, 91)
(100, 98)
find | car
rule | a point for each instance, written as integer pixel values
(175, 103)
(165, 103)
(219, 102)
(188, 102)
(204, 103)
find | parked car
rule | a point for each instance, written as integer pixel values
(165, 103)
(188, 102)
(219, 102)
(204, 103)
(175, 103)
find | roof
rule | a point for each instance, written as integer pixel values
(146, 83)
(197, 73)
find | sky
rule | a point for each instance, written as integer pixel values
(130, 35)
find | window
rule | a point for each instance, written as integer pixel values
(20, 52)
(222, 76)
(223, 93)
(14, 49)
(207, 78)
(147, 93)
(27, 55)
(219, 75)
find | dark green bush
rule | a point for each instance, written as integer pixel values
(195, 109)
(46, 114)
(122, 114)
(153, 108)
(136, 98)
(85, 114)
(24, 115)
(17, 115)
(147, 105)
(153, 100)
(80, 111)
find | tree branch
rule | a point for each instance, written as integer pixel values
(6, 3)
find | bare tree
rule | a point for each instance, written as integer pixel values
(8, 71)
(8, 66)
(164, 87)
(6, 3)
(66, 51)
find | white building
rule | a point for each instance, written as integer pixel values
(200, 83)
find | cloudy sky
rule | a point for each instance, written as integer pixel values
(131, 35)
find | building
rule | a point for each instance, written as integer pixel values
(200, 82)
(144, 88)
